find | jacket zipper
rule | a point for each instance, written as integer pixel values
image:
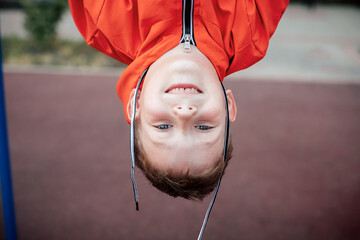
(188, 31)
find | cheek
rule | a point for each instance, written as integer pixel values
(215, 108)
(150, 100)
(153, 108)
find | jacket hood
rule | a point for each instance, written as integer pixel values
(232, 34)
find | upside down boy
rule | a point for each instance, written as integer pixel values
(182, 51)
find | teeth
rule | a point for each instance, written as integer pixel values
(183, 90)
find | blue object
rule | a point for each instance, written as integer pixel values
(5, 171)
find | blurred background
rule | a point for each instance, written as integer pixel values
(295, 173)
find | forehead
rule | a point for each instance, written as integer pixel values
(180, 154)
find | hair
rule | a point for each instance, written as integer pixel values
(181, 184)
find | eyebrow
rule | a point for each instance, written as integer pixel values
(165, 116)
(165, 139)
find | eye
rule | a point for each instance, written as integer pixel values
(203, 127)
(163, 126)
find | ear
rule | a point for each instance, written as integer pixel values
(231, 105)
(130, 104)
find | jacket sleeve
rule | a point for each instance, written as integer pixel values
(262, 18)
(86, 15)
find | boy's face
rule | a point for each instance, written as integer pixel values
(181, 111)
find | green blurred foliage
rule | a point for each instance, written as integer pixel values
(41, 18)
(17, 51)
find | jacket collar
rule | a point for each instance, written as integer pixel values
(154, 47)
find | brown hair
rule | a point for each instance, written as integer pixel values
(181, 184)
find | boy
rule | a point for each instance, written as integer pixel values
(180, 50)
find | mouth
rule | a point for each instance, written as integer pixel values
(183, 89)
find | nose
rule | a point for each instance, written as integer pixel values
(185, 111)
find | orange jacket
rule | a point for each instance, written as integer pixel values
(233, 34)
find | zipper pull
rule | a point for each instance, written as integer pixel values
(187, 38)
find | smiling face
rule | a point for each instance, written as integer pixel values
(181, 111)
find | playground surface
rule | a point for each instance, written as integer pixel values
(294, 173)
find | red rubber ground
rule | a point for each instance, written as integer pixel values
(295, 173)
